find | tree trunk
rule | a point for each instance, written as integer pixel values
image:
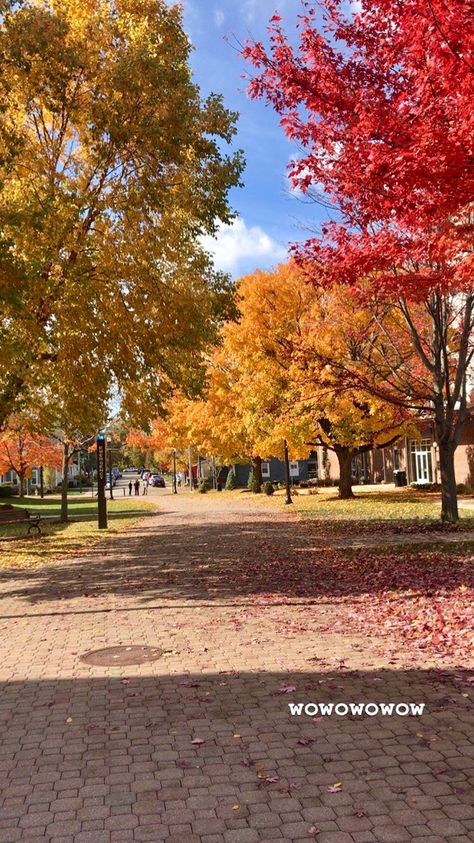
(449, 497)
(65, 470)
(344, 456)
(257, 473)
(21, 480)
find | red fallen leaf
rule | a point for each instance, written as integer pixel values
(197, 741)
(306, 741)
(286, 689)
(313, 830)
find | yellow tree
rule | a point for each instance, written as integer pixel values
(111, 166)
(296, 337)
(278, 374)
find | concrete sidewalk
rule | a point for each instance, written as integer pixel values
(199, 746)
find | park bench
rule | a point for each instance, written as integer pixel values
(10, 515)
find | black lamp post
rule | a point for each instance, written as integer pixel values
(287, 475)
(101, 478)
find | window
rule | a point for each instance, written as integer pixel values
(396, 459)
(313, 473)
(265, 469)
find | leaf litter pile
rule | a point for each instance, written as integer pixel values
(424, 599)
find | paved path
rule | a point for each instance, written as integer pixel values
(199, 746)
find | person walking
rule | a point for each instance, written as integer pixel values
(137, 486)
(130, 487)
(145, 486)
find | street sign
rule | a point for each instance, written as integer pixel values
(101, 481)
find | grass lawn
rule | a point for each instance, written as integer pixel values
(403, 510)
(61, 540)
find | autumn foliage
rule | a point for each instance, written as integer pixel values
(20, 451)
(380, 103)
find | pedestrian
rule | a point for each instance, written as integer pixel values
(130, 487)
(145, 486)
(137, 487)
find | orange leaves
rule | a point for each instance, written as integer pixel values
(21, 451)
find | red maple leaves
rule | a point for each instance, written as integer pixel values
(381, 103)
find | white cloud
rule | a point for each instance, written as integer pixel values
(219, 17)
(240, 248)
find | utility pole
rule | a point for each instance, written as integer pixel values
(175, 490)
(287, 475)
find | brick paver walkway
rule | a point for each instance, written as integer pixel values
(200, 746)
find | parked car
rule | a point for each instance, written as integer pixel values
(158, 481)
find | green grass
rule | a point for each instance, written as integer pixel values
(60, 540)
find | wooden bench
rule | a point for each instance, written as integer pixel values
(12, 515)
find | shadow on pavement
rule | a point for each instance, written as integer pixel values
(100, 759)
(236, 559)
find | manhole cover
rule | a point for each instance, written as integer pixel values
(123, 655)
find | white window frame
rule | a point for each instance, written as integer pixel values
(266, 470)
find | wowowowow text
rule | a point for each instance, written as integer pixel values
(357, 709)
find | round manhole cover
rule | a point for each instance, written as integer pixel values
(123, 655)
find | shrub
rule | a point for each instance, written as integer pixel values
(253, 483)
(8, 491)
(231, 482)
(326, 482)
(268, 487)
(204, 486)
(464, 489)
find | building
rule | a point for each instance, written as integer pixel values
(10, 478)
(419, 458)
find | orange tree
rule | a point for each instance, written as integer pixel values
(21, 450)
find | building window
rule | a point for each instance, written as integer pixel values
(396, 459)
(265, 469)
(421, 461)
(313, 473)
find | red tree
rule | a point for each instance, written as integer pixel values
(382, 104)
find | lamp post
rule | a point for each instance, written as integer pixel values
(101, 479)
(287, 475)
(175, 490)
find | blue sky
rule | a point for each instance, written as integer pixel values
(270, 216)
